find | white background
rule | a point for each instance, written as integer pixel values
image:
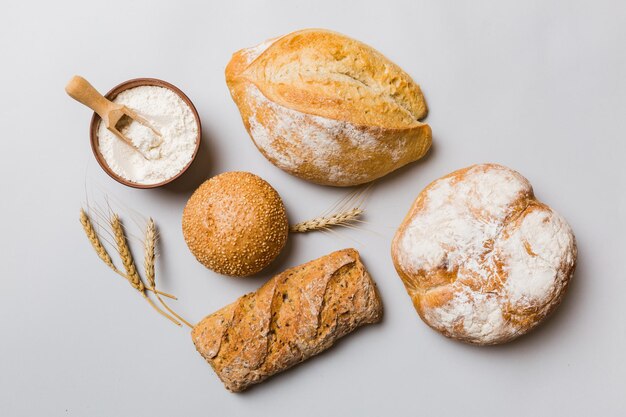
(538, 86)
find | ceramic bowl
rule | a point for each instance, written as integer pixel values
(95, 123)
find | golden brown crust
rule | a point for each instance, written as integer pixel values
(483, 261)
(235, 223)
(294, 316)
(328, 108)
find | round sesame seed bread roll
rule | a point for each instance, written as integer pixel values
(327, 108)
(483, 261)
(235, 224)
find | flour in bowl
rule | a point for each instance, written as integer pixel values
(157, 157)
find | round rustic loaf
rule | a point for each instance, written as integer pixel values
(328, 108)
(235, 223)
(483, 261)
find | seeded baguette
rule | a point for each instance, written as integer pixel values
(294, 316)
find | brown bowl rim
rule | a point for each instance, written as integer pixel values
(95, 122)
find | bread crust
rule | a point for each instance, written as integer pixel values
(327, 108)
(294, 316)
(483, 261)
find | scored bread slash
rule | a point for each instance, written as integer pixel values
(294, 316)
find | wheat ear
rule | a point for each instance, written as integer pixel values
(149, 266)
(101, 251)
(343, 218)
(125, 255)
(343, 213)
(97, 245)
(129, 265)
(150, 253)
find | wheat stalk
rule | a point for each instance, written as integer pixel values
(343, 213)
(149, 268)
(97, 245)
(132, 276)
(125, 255)
(129, 265)
(343, 218)
(150, 253)
(101, 251)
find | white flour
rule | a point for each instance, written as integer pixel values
(167, 155)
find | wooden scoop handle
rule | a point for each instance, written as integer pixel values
(80, 90)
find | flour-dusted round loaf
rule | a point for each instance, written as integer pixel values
(483, 261)
(328, 108)
(235, 223)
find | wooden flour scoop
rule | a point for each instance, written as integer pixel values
(112, 114)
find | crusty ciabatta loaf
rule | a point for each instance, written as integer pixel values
(295, 315)
(483, 261)
(328, 108)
